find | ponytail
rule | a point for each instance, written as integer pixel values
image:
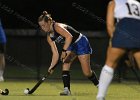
(45, 16)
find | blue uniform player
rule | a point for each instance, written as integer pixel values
(75, 45)
(2, 51)
(125, 35)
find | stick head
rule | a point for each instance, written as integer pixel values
(31, 91)
(5, 92)
(26, 91)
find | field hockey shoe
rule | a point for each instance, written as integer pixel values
(100, 98)
(1, 79)
(66, 92)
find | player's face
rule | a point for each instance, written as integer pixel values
(45, 26)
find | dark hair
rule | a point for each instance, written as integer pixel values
(45, 16)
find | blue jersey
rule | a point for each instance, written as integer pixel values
(2, 34)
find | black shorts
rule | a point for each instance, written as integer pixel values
(2, 48)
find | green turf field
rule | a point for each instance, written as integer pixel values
(81, 90)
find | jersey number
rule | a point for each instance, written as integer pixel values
(133, 9)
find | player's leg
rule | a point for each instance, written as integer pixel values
(83, 50)
(107, 72)
(2, 61)
(66, 73)
(137, 57)
(85, 64)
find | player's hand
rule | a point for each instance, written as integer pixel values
(50, 70)
(63, 55)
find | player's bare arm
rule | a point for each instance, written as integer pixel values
(55, 54)
(110, 18)
(68, 37)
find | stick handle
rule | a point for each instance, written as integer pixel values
(42, 79)
(38, 84)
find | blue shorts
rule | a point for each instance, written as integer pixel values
(81, 47)
(127, 34)
(2, 35)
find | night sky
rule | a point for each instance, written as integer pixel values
(81, 14)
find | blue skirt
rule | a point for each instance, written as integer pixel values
(127, 34)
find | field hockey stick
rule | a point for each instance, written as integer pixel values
(28, 91)
(133, 64)
(136, 74)
(4, 92)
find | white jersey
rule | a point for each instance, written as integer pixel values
(127, 9)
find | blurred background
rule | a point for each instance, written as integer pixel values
(28, 55)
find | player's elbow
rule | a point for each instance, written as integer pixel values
(110, 30)
(69, 38)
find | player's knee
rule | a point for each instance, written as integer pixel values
(67, 60)
(87, 74)
(66, 66)
(70, 58)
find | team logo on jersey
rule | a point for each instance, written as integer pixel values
(59, 39)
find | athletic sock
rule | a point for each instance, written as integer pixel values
(105, 79)
(66, 79)
(1, 73)
(94, 79)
